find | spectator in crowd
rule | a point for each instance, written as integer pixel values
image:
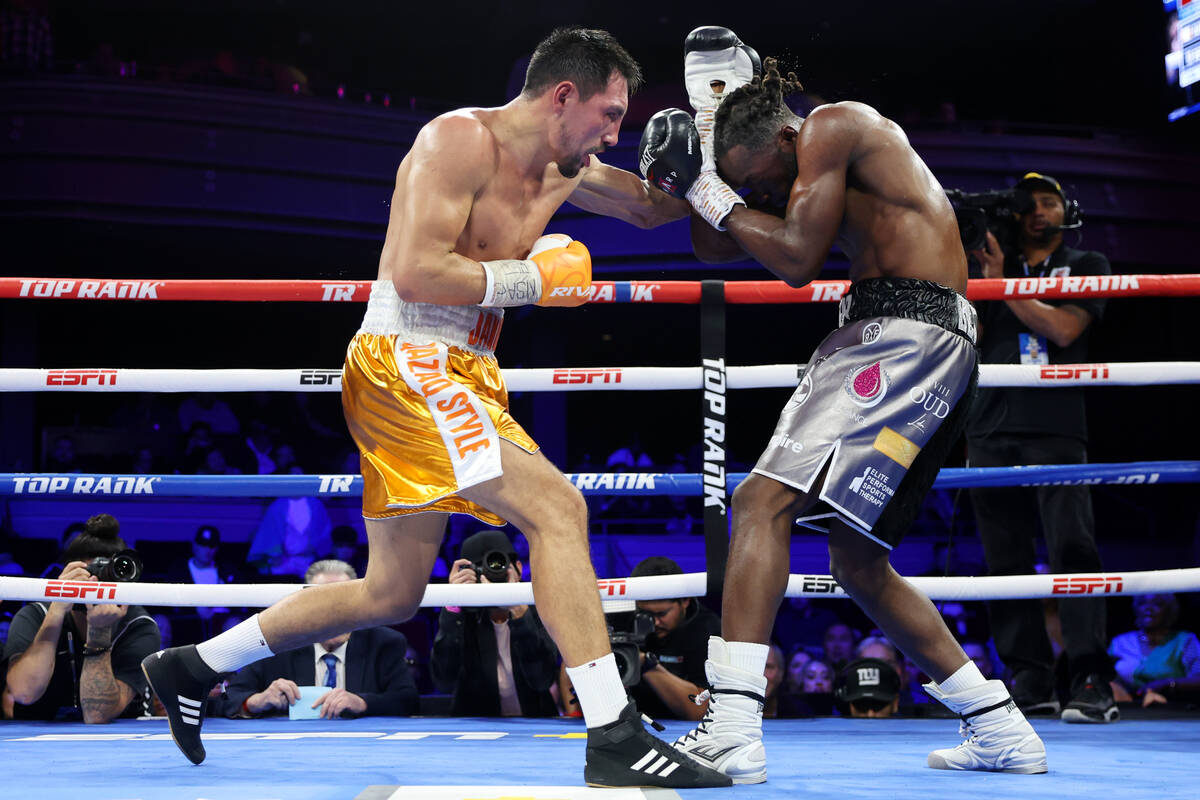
(214, 462)
(346, 547)
(497, 661)
(210, 410)
(295, 531)
(1012, 426)
(774, 673)
(802, 621)
(909, 693)
(202, 567)
(816, 691)
(672, 664)
(9, 565)
(870, 687)
(979, 653)
(365, 671)
(62, 456)
(198, 441)
(84, 658)
(1157, 662)
(795, 669)
(26, 39)
(839, 643)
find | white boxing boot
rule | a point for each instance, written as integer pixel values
(997, 736)
(729, 738)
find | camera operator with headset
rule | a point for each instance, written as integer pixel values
(86, 658)
(1017, 426)
(672, 660)
(500, 661)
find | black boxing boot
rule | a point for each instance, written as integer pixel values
(182, 682)
(623, 753)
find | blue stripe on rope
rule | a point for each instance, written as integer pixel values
(597, 483)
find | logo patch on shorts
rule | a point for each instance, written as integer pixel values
(867, 386)
(802, 392)
(871, 332)
(898, 448)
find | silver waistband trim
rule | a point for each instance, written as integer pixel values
(388, 315)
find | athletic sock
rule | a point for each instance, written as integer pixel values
(748, 656)
(235, 648)
(965, 677)
(599, 689)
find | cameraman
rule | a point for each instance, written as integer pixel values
(674, 655)
(1016, 426)
(82, 657)
(500, 661)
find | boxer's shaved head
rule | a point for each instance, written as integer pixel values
(753, 114)
(586, 58)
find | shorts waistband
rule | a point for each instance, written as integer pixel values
(909, 298)
(471, 328)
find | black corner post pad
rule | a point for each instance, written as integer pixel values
(713, 391)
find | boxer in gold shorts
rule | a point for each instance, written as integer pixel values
(426, 403)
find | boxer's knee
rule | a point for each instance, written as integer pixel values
(388, 603)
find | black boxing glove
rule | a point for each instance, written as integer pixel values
(712, 54)
(669, 153)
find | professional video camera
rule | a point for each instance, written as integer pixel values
(125, 566)
(627, 631)
(995, 211)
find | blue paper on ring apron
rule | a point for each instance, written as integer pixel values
(302, 708)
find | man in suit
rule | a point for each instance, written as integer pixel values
(366, 670)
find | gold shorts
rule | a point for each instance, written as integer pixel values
(427, 418)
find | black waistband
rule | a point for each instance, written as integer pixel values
(909, 298)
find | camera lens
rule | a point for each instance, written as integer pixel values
(125, 566)
(496, 561)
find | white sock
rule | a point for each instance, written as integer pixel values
(965, 677)
(749, 656)
(235, 648)
(599, 689)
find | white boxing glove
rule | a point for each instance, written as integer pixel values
(715, 62)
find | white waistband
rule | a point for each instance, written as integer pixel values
(459, 326)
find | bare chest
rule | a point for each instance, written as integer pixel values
(508, 216)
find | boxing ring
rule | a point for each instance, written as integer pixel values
(1148, 754)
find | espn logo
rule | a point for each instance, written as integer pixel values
(820, 584)
(81, 377)
(1088, 584)
(570, 375)
(612, 587)
(1068, 372)
(80, 589)
(320, 377)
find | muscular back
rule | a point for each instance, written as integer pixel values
(897, 220)
(462, 191)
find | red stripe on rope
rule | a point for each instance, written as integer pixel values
(684, 292)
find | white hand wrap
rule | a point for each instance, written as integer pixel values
(705, 120)
(713, 199)
(511, 282)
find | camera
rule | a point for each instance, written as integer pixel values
(627, 633)
(125, 566)
(995, 211)
(494, 565)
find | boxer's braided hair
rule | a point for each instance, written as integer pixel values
(753, 114)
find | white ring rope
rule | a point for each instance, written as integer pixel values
(260, 595)
(567, 379)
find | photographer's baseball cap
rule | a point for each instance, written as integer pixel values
(208, 536)
(868, 679)
(478, 545)
(1036, 180)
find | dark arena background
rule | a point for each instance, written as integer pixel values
(260, 139)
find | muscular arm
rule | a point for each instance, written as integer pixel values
(102, 696)
(435, 190)
(616, 193)
(1060, 324)
(795, 247)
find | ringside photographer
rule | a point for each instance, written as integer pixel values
(1013, 426)
(498, 662)
(69, 659)
(672, 659)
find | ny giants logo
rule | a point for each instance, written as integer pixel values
(613, 587)
(81, 377)
(569, 375)
(81, 589)
(1088, 584)
(1069, 372)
